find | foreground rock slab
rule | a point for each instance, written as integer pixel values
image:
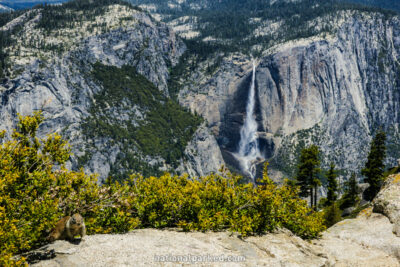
(150, 247)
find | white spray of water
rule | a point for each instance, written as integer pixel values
(248, 146)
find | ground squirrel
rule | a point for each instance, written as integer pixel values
(67, 228)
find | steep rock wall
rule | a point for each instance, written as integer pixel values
(333, 90)
(52, 70)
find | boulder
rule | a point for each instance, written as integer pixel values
(347, 211)
(387, 201)
(367, 240)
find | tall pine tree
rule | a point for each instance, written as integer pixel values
(332, 185)
(307, 173)
(350, 196)
(374, 168)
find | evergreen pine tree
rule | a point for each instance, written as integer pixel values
(307, 173)
(374, 168)
(350, 196)
(332, 185)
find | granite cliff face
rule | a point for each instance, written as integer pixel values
(51, 69)
(202, 154)
(334, 90)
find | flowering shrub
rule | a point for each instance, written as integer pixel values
(216, 202)
(36, 190)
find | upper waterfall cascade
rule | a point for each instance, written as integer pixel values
(249, 152)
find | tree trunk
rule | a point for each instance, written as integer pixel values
(311, 197)
(315, 197)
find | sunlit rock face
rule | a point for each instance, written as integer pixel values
(342, 89)
(60, 83)
(334, 91)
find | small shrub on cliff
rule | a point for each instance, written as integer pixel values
(27, 208)
(332, 214)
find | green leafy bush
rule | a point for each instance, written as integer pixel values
(36, 190)
(216, 202)
(332, 214)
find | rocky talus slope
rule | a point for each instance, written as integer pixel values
(368, 240)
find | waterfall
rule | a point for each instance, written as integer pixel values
(249, 152)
